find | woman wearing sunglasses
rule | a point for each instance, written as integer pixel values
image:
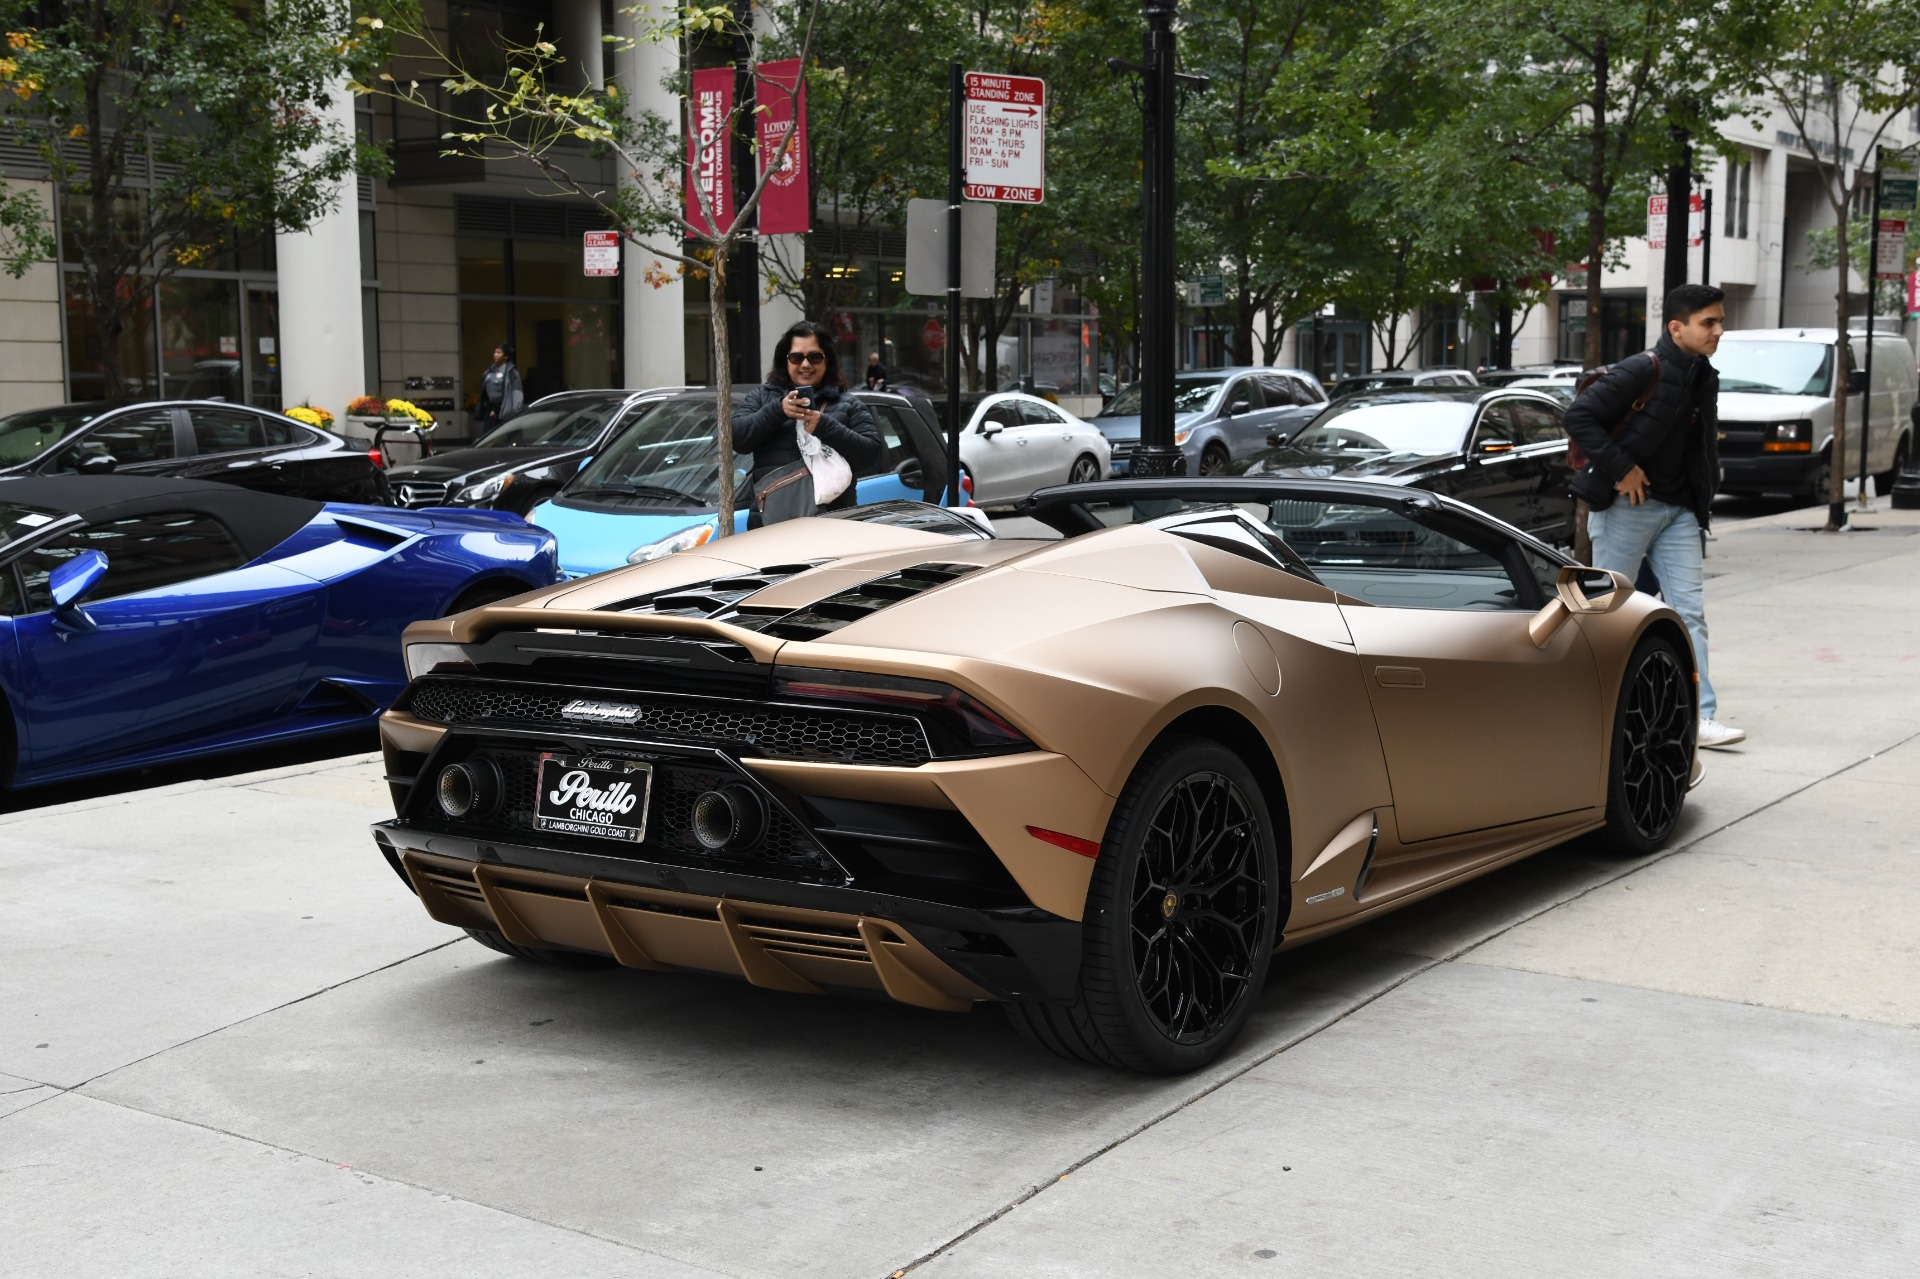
(804, 386)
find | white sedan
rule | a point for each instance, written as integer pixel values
(1014, 443)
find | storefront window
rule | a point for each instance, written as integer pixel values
(1624, 333)
(200, 340)
(84, 379)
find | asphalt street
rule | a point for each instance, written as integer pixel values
(232, 1045)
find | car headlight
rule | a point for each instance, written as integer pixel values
(685, 540)
(1181, 437)
(485, 490)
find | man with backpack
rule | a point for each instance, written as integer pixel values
(1648, 428)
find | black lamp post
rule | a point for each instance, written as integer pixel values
(1157, 90)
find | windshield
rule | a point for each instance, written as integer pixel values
(1775, 368)
(25, 436)
(1190, 395)
(667, 457)
(561, 426)
(1427, 428)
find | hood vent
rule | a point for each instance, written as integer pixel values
(721, 599)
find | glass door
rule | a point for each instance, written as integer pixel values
(263, 347)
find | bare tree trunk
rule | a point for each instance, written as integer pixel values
(1595, 352)
(723, 384)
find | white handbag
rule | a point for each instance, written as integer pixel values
(832, 475)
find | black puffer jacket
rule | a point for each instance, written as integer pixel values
(846, 426)
(1686, 382)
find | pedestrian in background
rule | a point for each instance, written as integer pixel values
(1653, 462)
(876, 373)
(804, 386)
(501, 395)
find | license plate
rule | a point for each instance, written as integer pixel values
(604, 798)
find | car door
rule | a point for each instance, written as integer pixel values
(1290, 406)
(1243, 431)
(1491, 474)
(142, 441)
(1001, 471)
(1481, 727)
(1053, 445)
(887, 477)
(181, 638)
(230, 446)
(1543, 450)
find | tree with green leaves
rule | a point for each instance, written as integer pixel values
(172, 130)
(532, 110)
(1843, 72)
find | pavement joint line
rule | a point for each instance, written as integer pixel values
(395, 1181)
(1638, 864)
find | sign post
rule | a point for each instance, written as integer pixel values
(600, 252)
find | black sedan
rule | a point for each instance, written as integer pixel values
(523, 462)
(191, 439)
(1503, 451)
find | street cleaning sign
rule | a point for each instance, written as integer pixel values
(1005, 139)
(1657, 221)
(600, 252)
(1890, 250)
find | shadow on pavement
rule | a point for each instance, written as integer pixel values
(310, 750)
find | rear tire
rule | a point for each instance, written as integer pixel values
(1650, 760)
(576, 959)
(1181, 919)
(1213, 460)
(1085, 469)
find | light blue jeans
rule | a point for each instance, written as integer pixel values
(1669, 536)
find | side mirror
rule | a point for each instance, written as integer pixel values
(1496, 446)
(1856, 381)
(72, 580)
(1238, 407)
(1578, 590)
(910, 473)
(1274, 440)
(97, 464)
(990, 429)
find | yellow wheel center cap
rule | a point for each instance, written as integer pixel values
(1171, 904)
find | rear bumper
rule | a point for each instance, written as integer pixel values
(802, 938)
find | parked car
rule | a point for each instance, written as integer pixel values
(1498, 449)
(1776, 410)
(1531, 374)
(1560, 388)
(652, 492)
(144, 620)
(191, 439)
(1013, 443)
(1097, 778)
(1392, 379)
(1219, 415)
(523, 462)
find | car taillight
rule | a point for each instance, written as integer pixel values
(378, 459)
(957, 722)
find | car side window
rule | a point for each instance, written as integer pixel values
(225, 430)
(277, 434)
(1539, 423)
(144, 553)
(1276, 390)
(1387, 558)
(1247, 389)
(145, 436)
(1303, 394)
(1039, 414)
(898, 450)
(1002, 412)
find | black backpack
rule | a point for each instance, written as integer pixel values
(1577, 456)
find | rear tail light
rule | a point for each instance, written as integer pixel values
(378, 459)
(966, 486)
(957, 723)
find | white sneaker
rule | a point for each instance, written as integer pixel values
(1717, 736)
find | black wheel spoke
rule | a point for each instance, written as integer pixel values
(1655, 744)
(1198, 907)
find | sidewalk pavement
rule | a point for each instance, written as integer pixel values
(231, 1044)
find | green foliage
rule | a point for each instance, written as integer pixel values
(25, 238)
(219, 104)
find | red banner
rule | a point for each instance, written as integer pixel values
(780, 94)
(709, 155)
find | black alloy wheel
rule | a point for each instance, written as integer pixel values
(1213, 460)
(1181, 918)
(1655, 724)
(1086, 469)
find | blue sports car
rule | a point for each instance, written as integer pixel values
(146, 620)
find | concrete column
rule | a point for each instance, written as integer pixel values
(577, 32)
(322, 340)
(654, 347)
(787, 254)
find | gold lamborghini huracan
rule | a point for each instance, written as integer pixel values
(1097, 775)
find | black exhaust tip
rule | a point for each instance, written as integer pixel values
(471, 789)
(730, 819)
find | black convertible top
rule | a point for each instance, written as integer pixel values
(258, 521)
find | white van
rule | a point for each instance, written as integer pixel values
(1776, 410)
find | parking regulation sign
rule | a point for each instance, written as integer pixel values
(600, 252)
(1005, 138)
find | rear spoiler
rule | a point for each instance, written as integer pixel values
(479, 624)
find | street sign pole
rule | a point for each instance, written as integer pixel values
(956, 130)
(1157, 454)
(1706, 237)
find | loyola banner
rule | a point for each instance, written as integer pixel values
(709, 159)
(781, 98)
